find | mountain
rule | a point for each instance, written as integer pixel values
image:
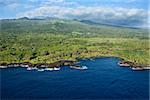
(51, 39)
(69, 27)
(114, 25)
(24, 18)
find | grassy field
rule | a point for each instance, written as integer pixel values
(47, 41)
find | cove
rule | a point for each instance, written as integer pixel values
(104, 79)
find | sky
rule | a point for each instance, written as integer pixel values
(119, 12)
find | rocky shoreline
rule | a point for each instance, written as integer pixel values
(53, 66)
(72, 64)
(133, 66)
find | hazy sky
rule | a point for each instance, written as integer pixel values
(124, 12)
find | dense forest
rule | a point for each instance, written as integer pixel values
(50, 40)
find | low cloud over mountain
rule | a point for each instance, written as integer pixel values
(118, 15)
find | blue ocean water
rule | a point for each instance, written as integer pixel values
(104, 79)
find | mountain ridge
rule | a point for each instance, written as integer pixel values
(89, 22)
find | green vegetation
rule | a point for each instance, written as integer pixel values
(50, 40)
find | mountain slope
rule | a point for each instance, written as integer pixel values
(69, 27)
(50, 40)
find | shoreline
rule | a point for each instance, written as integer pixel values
(133, 66)
(72, 64)
(45, 66)
(39, 65)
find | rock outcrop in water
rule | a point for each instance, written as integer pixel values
(133, 66)
(79, 67)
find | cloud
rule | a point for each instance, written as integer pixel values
(32, 0)
(6, 2)
(127, 1)
(77, 10)
(98, 14)
(10, 4)
(58, 3)
(13, 6)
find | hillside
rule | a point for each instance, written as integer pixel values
(50, 40)
(69, 27)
